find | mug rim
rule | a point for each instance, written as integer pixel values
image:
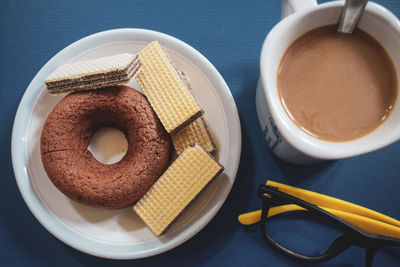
(299, 139)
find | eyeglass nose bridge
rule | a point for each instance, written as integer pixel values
(371, 246)
(351, 238)
(366, 241)
(346, 240)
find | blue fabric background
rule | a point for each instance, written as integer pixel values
(230, 34)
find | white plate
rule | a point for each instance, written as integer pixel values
(120, 234)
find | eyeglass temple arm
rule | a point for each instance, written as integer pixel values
(331, 202)
(366, 224)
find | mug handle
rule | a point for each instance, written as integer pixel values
(292, 6)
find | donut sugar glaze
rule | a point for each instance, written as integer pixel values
(72, 168)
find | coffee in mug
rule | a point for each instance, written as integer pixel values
(337, 87)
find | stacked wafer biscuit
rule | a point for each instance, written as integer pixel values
(93, 74)
(169, 93)
(165, 89)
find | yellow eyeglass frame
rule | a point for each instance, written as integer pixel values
(365, 219)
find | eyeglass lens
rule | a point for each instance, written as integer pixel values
(302, 232)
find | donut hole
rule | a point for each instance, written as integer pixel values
(108, 145)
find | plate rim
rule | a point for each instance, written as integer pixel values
(20, 161)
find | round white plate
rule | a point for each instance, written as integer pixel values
(120, 234)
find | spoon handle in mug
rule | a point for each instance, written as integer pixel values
(351, 14)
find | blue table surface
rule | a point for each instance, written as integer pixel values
(230, 34)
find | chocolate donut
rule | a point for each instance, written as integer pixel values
(72, 168)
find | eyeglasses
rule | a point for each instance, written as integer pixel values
(356, 225)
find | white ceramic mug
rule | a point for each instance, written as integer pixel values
(284, 138)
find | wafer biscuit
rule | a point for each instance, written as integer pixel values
(165, 89)
(93, 74)
(181, 183)
(195, 132)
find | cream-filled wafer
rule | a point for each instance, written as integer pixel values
(93, 74)
(181, 183)
(195, 132)
(165, 89)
